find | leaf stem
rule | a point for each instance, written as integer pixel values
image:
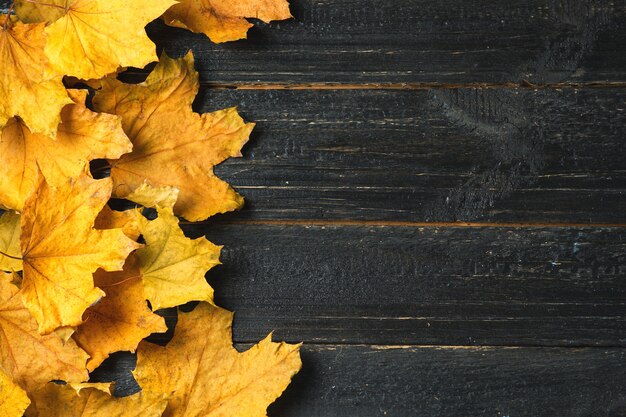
(9, 256)
(8, 16)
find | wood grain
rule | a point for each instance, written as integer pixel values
(420, 41)
(381, 125)
(503, 155)
(425, 285)
(369, 381)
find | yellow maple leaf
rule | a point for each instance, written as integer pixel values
(121, 319)
(92, 38)
(82, 136)
(91, 400)
(61, 250)
(215, 380)
(172, 265)
(28, 87)
(13, 400)
(10, 253)
(30, 358)
(154, 197)
(172, 145)
(126, 220)
(224, 20)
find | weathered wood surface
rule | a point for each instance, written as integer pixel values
(421, 41)
(432, 285)
(388, 381)
(367, 130)
(500, 155)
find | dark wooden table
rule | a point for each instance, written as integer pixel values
(435, 204)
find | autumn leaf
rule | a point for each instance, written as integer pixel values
(82, 136)
(172, 265)
(224, 20)
(13, 400)
(154, 197)
(92, 400)
(121, 319)
(92, 38)
(61, 249)
(28, 86)
(215, 380)
(172, 145)
(127, 220)
(10, 253)
(30, 358)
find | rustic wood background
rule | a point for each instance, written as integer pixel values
(435, 204)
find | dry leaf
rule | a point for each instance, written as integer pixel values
(172, 265)
(121, 319)
(224, 20)
(214, 380)
(93, 38)
(92, 400)
(152, 197)
(10, 242)
(28, 87)
(172, 145)
(30, 358)
(13, 400)
(61, 250)
(126, 220)
(82, 136)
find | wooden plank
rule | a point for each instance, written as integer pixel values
(433, 285)
(420, 41)
(503, 155)
(368, 381)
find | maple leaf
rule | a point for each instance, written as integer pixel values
(61, 249)
(13, 400)
(172, 265)
(215, 380)
(30, 358)
(224, 20)
(82, 136)
(154, 197)
(92, 38)
(127, 220)
(10, 253)
(26, 78)
(172, 145)
(121, 319)
(92, 400)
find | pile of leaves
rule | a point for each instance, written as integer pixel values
(79, 280)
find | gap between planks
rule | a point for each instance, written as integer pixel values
(375, 223)
(383, 347)
(410, 86)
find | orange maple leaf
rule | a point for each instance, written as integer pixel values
(92, 38)
(30, 358)
(248, 382)
(61, 250)
(82, 136)
(172, 145)
(121, 319)
(224, 20)
(29, 88)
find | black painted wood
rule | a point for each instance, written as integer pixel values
(421, 41)
(500, 155)
(385, 381)
(413, 285)
(438, 154)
